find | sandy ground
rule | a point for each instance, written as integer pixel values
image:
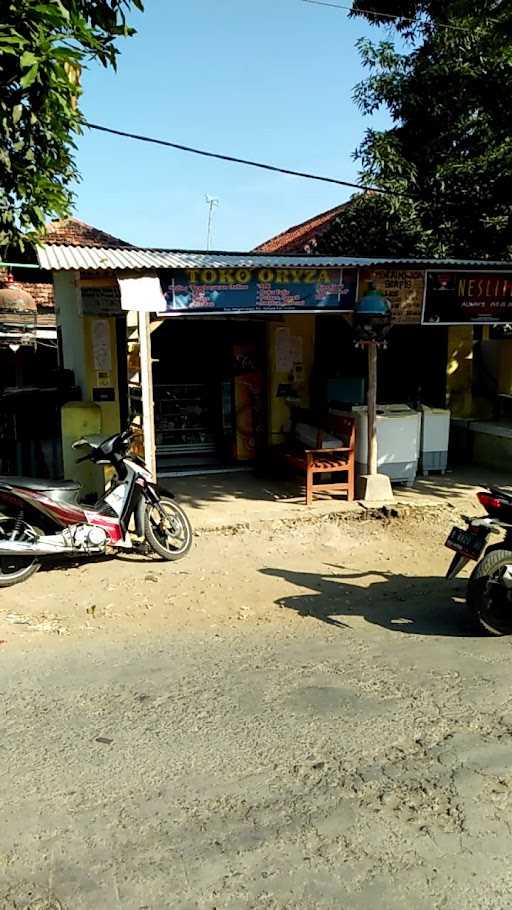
(288, 719)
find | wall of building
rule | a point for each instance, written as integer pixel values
(90, 350)
(459, 372)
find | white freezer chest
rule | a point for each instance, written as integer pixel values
(398, 441)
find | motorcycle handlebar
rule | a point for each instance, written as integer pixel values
(125, 436)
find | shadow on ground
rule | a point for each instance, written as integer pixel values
(202, 491)
(400, 603)
(208, 490)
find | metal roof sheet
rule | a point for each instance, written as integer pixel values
(58, 257)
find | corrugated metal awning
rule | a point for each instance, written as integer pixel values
(59, 257)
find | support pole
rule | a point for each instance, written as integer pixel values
(374, 487)
(146, 381)
(372, 408)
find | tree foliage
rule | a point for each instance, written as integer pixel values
(369, 225)
(446, 81)
(44, 44)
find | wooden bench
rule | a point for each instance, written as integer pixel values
(320, 459)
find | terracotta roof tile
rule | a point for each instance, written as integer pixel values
(297, 238)
(74, 232)
(70, 231)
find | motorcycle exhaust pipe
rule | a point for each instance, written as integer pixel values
(25, 548)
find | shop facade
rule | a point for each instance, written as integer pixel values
(240, 342)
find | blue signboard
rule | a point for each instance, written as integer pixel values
(261, 290)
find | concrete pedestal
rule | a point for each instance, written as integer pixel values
(375, 488)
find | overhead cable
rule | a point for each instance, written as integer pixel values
(234, 160)
(392, 16)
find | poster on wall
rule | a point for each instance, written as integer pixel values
(404, 288)
(459, 298)
(101, 346)
(259, 290)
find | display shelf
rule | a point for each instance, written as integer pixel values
(184, 418)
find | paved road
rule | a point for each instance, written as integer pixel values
(353, 752)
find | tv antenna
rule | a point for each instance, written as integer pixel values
(212, 202)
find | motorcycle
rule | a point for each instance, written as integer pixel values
(41, 519)
(489, 591)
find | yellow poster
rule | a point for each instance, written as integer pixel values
(404, 288)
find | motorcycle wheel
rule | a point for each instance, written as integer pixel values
(170, 538)
(488, 601)
(15, 569)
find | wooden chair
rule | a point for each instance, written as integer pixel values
(321, 461)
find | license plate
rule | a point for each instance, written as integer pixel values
(469, 543)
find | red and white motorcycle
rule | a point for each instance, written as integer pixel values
(44, 518)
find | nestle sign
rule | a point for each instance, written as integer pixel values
(454, 298)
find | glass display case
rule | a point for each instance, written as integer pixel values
(184, 420)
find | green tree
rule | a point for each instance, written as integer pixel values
(44, 45)
(371, 225)
(446, 81)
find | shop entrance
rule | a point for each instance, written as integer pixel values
(209, 382)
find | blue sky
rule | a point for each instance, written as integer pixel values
(269, 80)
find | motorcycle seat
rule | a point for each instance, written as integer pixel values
(503, 494)
(42, 485)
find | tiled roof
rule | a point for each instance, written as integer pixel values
(74, 232)
(298, 238)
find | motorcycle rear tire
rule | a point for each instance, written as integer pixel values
(480, 605)
(9, 579)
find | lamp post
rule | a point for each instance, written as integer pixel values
(372, 322)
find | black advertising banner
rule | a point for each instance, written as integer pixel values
(458, 298)
(261, 290)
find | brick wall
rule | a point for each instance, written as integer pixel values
(41, 291)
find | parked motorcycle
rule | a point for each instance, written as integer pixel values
(489, 591)
(40, 519)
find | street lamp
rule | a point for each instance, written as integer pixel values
(372, 322)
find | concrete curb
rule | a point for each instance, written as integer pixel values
(360, 512)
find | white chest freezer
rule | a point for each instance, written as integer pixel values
(398, 441)
(435, 435)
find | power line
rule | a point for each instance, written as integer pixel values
(247, 162)
(394, 16)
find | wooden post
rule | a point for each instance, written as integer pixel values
(146, 381)
(372, 408)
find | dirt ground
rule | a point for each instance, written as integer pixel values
(350, 570)
(294, 718)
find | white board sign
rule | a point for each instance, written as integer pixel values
(143, 294)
